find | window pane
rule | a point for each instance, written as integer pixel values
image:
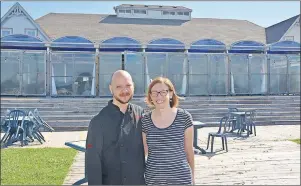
(134, 64)
(155, 66)
(63, 85)
(31, 33)
(180, 13)
(34, 75)
(198, 84)
(177, 71)
(128, 11)
(84, 65)
(62, 64)
(239, 73)
(5, 33)
(108, 64)
(218, 74)
(186, 13)
(278, 72)
(10, 73)
(198, 64)
(294, 71)
(258, 74)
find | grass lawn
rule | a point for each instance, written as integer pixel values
(35, 166)
(296, 140)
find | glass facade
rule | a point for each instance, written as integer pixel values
(75, 67)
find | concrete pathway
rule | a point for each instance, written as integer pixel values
(266, 159)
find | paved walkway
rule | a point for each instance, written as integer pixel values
(268, 158)
(265, 159)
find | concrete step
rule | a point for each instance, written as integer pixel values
(75, 113)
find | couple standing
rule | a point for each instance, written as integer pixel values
(121, 137)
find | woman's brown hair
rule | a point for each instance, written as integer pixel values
(174, 100)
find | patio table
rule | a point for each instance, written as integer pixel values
(198, 125)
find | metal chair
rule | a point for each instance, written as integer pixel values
(220, 133)
(250, 121)
(34, 128)
(232, 120)
(15, 130)
(44, 123)
(4, 126)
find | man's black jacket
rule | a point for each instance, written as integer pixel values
(114, 147)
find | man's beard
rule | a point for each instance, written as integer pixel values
(122, 95)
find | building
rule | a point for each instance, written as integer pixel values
(63, 54)
(287, 30)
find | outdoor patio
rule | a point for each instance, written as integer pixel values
(266, 159)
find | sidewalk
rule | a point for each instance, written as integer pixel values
(267, 158)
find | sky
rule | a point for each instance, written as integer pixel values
(263, 13)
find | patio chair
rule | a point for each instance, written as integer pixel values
(15, 130)
(220, 133)
(44, 123)
(34, 128)
(250, 121)
(4, 126)
(231, 119)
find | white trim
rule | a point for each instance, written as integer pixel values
(17, 5)
(297, 19)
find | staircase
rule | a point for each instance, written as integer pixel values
(69, 114)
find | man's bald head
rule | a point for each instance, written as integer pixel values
(120, 74)
(122, 87)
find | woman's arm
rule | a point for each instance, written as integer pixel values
(144, 144)
(188, 145)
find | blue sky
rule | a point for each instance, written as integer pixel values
(264, 13)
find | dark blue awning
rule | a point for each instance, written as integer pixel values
(247, 47)
(72, 43)
(284, 47)
(165, 45)
(207, 45)
(120, 44)
(20, 41)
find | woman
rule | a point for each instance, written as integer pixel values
(167, 137)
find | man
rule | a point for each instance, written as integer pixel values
(115, 154)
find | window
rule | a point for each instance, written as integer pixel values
(128, 11)
(180, 13)
(140, 11)
(186, 13)
(165, 13)
(289, 38)
(172, 13)
(31, 32)
(121, 11)
(6, 31)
